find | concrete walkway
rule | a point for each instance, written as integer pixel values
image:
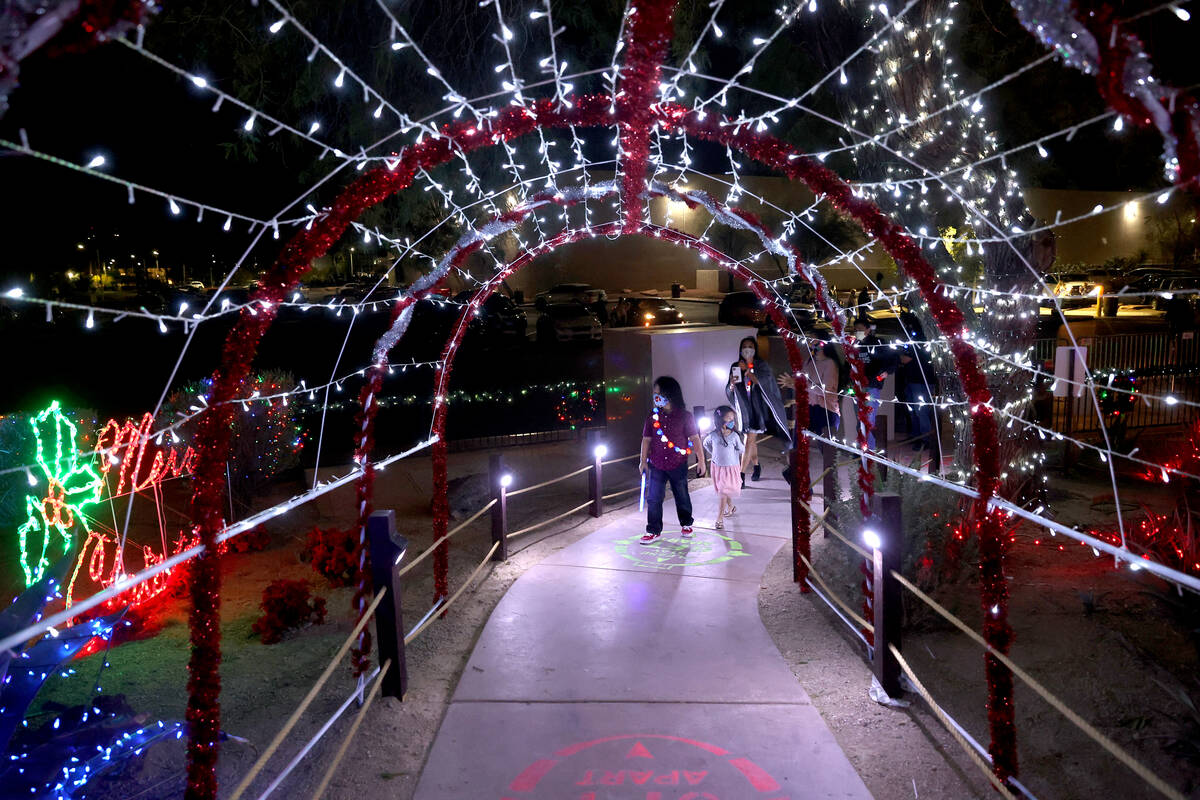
(617, 671)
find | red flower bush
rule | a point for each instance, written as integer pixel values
(287, 605)
(332, 553)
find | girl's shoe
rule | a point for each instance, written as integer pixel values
(732, 510)
(757, 474)
(720, 524)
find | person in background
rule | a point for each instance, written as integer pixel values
(599, 307)
(753, 393)
(823, 398)
(879, 361)
(725, 449)
(919, 391)
(669, 436)
(620, 314)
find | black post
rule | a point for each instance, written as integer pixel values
(596, 481)
(387, 550)
(887, 600)
(828, 483)
(881, 442)
(496, 475)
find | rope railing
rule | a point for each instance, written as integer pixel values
(1112, 747)
(551, 482)
(621, 493)
(429, 550)
(429, 618)
(296, 759)
(944, 718)
(544, 523)
(850, 612)
(619, 460)
(362, 713)
(258, 765)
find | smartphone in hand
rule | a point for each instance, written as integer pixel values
(735, 375)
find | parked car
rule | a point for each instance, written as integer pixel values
(741, 308)
(564, 322)
(647, 311)
(498, 316)
(1189, 287)
(194, 286)
(569, 293)
(1073, 290)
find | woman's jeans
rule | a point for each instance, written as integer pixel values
(656, 491)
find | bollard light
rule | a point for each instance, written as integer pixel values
(704, 423)
(506, 480)
(601, 450)
(872, 539)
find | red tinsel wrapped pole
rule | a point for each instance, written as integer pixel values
(648, 31)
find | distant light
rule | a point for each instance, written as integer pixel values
(97, 161)
(872, 539)
(705, 423)
(1131, 211)
(506, 480)
(601, 450)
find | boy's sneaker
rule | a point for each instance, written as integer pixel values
(687, 532)
(651, 538)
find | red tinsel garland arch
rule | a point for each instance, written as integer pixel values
(203, 712)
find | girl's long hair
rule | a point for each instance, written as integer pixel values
(719, 423)
(669, 388)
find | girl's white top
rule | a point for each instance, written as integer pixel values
(724, 451)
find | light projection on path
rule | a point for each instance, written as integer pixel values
(705, 549)
(643, 767)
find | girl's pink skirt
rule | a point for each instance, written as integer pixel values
(727, 481)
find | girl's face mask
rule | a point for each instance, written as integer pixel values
(748, 353)
(659, 400)
(730, 424)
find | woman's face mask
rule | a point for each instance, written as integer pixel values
(659, 400)
(748, 353)
(860, 335)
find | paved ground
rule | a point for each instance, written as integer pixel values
(616, 671)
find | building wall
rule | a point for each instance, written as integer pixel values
(1125, 232)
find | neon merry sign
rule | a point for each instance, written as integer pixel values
(71, 487)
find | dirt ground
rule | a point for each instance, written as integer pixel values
(1123, 660)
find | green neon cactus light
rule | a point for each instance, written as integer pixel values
(70, 487)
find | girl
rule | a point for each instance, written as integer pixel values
(669, 436)
(725, 448)
(754, 395)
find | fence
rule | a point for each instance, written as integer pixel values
(1150, 364)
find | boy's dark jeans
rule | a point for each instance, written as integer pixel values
(656, 491)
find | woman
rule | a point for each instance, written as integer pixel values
(823, 398)
(754, 394)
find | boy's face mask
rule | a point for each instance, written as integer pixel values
(748, 353)
(860, 335)
(659, 400)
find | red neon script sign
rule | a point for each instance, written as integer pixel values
(126, 444)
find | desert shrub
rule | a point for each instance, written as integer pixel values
(287, 605)
(937, 555)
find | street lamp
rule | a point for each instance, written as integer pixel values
(351, 262)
